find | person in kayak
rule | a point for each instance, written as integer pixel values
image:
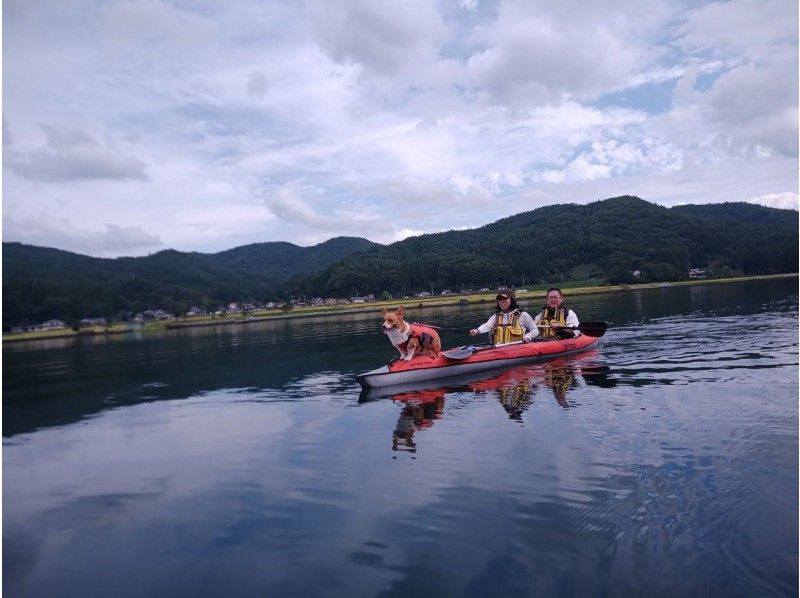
(555, 320)
(510, 323)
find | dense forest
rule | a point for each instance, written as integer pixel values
(618, 240)
(40, 283)
(604, 241)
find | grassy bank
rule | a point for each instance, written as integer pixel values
(570, 289)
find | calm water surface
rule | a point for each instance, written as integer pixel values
(239, 461)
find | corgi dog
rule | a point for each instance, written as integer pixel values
(410, 339)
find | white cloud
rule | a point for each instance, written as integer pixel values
(208, 125)
(784, 201)
(406, 233)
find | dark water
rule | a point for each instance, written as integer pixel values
(240, 462)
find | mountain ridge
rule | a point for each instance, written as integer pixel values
(601, 242)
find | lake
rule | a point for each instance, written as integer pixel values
(239, 460)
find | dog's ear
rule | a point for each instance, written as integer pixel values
(401, 311)
(383, 311)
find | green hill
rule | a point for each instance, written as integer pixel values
(601, 242)
(604, 241)
(40, 283)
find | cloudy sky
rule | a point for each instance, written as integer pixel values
(132, 126)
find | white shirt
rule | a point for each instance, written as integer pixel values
(525, 320)
(571, 320)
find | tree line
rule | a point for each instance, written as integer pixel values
(614, 241)
(618, 241)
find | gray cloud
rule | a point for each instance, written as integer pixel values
(257, 84)
(50, 231)
(752, 30)
(383, 36)
(541, 63)
(6, 134)
(538, 53)
(287, 205)
(756, 108)
(141, 24)
(71, 154)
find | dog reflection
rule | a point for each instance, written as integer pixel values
(515, 388)
(419, 411)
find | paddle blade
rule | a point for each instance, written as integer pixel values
(457, 354)
(595, 329)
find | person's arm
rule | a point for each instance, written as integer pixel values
(485, 327)
(536, 321)
(530, 326)
(572, 321)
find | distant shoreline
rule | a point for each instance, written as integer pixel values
(411, 302)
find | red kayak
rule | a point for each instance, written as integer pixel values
(469, 359)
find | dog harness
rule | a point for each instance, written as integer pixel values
(423, 333)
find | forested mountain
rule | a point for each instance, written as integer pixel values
(40, 283)
(277, 262)
(604, 241)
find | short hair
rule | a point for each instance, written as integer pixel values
(551, 289)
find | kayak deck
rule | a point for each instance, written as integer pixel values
(469, 359)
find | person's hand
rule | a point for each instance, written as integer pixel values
(556, 325)
(525, 339)
(473, 332)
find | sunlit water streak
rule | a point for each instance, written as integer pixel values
(239, 463)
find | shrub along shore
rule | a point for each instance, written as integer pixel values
(570, 289)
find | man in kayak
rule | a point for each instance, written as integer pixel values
(510, 323)
(555, 319)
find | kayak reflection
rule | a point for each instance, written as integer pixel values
(515, 389)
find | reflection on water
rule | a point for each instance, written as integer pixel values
(420, 410)
(240, 462)
(517, 387)
(514, 389)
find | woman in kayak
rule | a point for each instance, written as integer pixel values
(510, 323)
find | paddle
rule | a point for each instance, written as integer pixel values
(464, 352)
(594, 329)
